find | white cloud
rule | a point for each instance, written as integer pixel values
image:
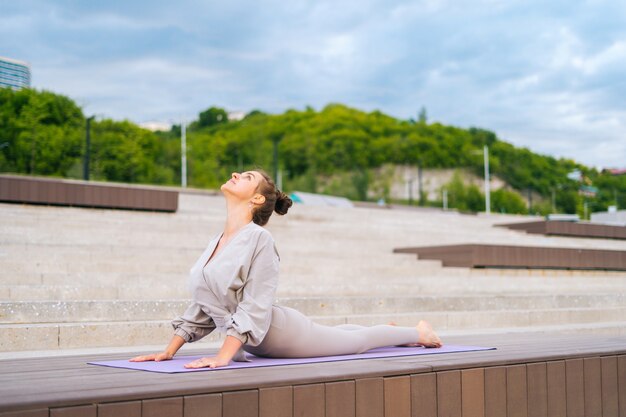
(543, 75)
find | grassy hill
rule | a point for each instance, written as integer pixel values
(337, 150)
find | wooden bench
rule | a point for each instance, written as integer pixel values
(563, 375)
(63, 192)
(575, 229)
(503, 256)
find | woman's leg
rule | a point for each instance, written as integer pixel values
(292, 334)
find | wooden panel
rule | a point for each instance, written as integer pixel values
(575, 387)
(80, 411)
(207, 405)
(308, 400)
(557, 395)
(449, 394)
(28, 413)
(516, 391)
(483, 255)
(370, 397)
(162, 407)
(276, 402)
(592, 370)
(340, 399)
(570, 229)
(424, 395)
(537, 389)
(240, 404)
(495, 391)
(126, 409)
(621, 383)
(609, 387)
(398, 396)
(86, 194)
(473, 392)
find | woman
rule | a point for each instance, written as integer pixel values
(233, 286)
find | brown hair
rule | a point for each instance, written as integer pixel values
(275, 200)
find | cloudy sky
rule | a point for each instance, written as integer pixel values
(547, 75)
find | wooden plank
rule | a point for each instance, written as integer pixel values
(495, 391)
(499, 256)
(592, 370)
(557, 395)
(162, 407)
(43, 412)
(537, 389)
(87, 194)
(79, 411)
(621, 383)
(516, 391)
(397, 396)
(473, 392)
(275, 402)
(370, 397)
(449, 394)
(575, 387)
(125, 408)
(609, 387)
(340, 399)
(79, 384)
(207, 405)
(240, 404)
(308, 400)
(424, 395)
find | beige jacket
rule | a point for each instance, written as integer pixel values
(235, 291)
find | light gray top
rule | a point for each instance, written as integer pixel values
(234, 292)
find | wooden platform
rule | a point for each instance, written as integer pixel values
(560, 375)
(63, 192)
(505, 256)
(572, 229)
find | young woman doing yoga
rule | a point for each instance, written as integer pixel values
(233, 286)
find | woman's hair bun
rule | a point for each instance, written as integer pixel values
(283, 202)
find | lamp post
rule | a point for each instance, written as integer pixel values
(487, 188)
(275, 140)
(87, 148)
(183, 154)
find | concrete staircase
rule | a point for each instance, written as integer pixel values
(79, 278)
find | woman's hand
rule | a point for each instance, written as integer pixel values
(212, 362)
(157, 357)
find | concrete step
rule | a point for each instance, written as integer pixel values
(560, 308)
(36, 292)
(23, 337)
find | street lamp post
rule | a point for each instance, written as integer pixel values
(87, 148)
(487, 188)
(183, 154)
(275, 140)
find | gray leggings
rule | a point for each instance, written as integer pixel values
(294, 335)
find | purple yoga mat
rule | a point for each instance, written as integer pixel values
(177, 364)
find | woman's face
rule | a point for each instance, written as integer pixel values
(242, 185)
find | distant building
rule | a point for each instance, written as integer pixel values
(14, 74)
(233, 116)
(156, 125)
(614, 171)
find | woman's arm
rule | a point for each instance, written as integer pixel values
(193, 325)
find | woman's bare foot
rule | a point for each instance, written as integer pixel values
(428, 338)
(391, 323)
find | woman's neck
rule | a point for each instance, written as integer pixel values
(238, 215)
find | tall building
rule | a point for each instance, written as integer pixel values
(14, 74)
